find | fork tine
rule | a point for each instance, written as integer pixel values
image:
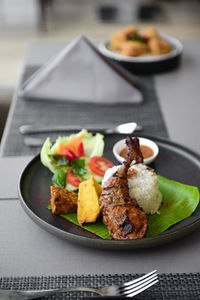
(139, 279)
(136, 286)
(140, 283)
(141, 289)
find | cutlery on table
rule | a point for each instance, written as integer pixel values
(126, 128)
(33, 141)
(128, 289)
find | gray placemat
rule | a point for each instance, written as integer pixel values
(148, 114)
(169, 287)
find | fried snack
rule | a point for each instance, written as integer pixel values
(150, 32)
(119, 37)
(63, 201)
(130, 30)
(133, 48)
(116, 40)
(130, 42)
(158, 46)
(88, 201)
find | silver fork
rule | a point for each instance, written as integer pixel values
(128, 289)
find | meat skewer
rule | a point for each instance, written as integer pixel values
(121, 214)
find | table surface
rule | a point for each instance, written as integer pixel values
(178, 90)
(27, 250)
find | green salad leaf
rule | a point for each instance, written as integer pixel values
(179, 202)
(59, 178)
(44, 155)
(93, 146)
(58, 160)
(79, 167)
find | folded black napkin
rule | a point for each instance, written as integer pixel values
(81, 73)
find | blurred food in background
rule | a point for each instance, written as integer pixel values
(132, 42)
(22, 22)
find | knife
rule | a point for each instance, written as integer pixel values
(33, 141)
(122, 128)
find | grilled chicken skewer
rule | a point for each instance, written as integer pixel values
(121, 214)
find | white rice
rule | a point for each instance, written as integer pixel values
(143, 186)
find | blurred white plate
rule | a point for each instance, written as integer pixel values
(177, 49)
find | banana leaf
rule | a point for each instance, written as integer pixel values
(179, 202)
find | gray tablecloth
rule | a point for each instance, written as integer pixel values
(148, 114)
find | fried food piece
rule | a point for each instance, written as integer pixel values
(116, 40)
(130, 30)
(133, 48)
(159, 46)
(129, 42)
(119, 37)
(63, 201)
(88, 201)
(150, 32)
(121, 213)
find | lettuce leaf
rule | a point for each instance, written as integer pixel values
(93, 145)
(59, 178)
(45, 157)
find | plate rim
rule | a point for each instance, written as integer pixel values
(148, 59)
(103, 243)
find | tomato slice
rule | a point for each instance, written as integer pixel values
(99, 165)
(73, 179)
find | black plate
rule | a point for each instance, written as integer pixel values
(174, 162)
(147, 64)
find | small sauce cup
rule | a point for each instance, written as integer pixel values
(148, 147)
